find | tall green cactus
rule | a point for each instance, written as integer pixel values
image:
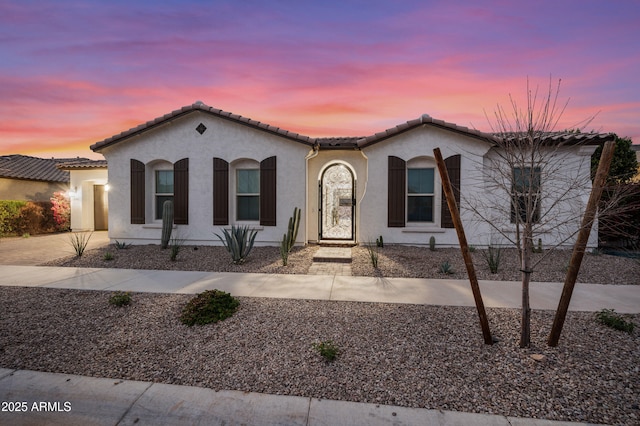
(289, 239)
(167, 223)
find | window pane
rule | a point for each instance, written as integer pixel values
(164, 181)
(522, 179)
(519, 208)
(248, 181)
(420, 181)
(420, 209)
(160, 199)
(249, 207)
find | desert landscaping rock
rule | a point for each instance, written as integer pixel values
(408, 355)
(394, 261)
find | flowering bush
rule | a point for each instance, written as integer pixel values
(61, 211)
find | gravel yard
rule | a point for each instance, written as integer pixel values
(394, 261)
(408, 355)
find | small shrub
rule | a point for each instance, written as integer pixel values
(107, 256)
(446, 268)
(472, 249)
(611, 318)
(596, 251)
(121, 245)
(120, 298)
(327, 349)
(79, 241)
(380, 242)
(26, 235)
(432, 243)
(9, 216)
(209, 306)
(492, 256)
(31, 219)
(373, 254)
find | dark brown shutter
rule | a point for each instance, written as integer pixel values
(220, 192)
(268, 192)
(453, 168)
(396, 192)
(181, 192)
(137, 192)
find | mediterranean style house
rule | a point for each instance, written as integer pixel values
(222, 169)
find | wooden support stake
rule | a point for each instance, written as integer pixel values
(464, 247)
(581, 242)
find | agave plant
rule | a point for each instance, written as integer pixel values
(238, 242)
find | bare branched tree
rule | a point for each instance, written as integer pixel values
(535, 186)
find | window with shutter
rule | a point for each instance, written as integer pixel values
(420, 194)
(396, 192)
(137, 192)
(268, 192)
(163, 190)
(453, 169)
(220, 192)
(181, 192)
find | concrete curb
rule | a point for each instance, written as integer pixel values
(65, 399)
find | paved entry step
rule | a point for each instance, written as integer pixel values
(330, 268)
(333, 255)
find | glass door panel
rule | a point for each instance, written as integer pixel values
(337, 203)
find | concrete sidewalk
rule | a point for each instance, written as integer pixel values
(496, 294)
(70, 399)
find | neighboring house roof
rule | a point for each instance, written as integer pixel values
(83, 164)
(337, 142)
(32, 168)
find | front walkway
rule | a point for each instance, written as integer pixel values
(496, 294)
(331, 261)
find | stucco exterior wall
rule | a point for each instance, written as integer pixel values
(29, 190)
(564, 192)
(299, 170)
(224, 139)
(81, 196)
(417, 143)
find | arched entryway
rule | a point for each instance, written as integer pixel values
(337, 203)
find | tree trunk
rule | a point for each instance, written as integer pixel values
(525, 323)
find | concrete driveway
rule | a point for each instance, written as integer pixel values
(39, 249)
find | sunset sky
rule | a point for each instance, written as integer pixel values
(75, 72)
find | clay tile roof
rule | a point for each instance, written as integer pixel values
(200, 106)
(336, 142)
(82, 164)
(420, 121)
(573, 138)
(32, 168)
